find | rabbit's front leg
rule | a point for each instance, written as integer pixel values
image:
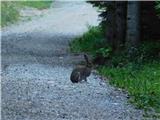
(85, 79)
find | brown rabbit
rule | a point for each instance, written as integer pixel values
(82, 72)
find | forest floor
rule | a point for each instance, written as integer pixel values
(36, 68)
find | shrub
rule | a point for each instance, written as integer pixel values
(9, 13)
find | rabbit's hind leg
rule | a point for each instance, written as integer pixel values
(85, 79)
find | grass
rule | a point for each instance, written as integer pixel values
(87, 42)
(9, 13)
(143, 84)
(36, 4)
(139, 75)
(10, 9)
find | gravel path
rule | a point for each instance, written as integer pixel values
(36, 66)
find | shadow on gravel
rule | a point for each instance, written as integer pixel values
(38, 48)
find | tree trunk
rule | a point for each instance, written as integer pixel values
(111, 24)
(120, 24)
(133, 25)
(116, 24)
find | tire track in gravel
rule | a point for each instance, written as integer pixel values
(36, 68)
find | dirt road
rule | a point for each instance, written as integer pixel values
(37, 65)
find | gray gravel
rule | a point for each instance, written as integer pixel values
(36, 66)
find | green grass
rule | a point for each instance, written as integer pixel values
(139, 75)
(87, 42)
(143, 84)
(10, 9)
(9, 13)
(36, 4)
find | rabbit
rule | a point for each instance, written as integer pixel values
(81, 72)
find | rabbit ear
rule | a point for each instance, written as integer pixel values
(87, 60)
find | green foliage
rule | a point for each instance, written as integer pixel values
(36, 4)
(146, 52)
(143, 84)
(10, 9)
(138, 74)
(157, 7)
(149, 50)
(9, 13)
(89, 42)
(104, 52)
(102, 6)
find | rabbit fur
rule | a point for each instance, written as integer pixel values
(81, 72)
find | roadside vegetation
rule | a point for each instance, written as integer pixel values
(128, 57)
(36, 4)
(9, 13)
(139, 75)
(10, 9)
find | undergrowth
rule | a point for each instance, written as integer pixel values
(142, 84)
(86, 43)
(36, 4)
(9, 13)
(10, 9)
(138, 74)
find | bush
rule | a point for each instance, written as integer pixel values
(89, 42)
(143, 85)
(9, 13)
(157, 7)
(138, 74)
(10, 10)
(36, 4)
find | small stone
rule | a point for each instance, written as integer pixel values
(60, 57)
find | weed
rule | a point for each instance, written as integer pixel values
(10, 9)
(143, 84)
(138, 74)
(89, 42)
(36, 4)
(9, 13)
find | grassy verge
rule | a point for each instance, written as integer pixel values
(9, 13)
(10, 9)
(86, 43)
(36, 4)
(140, 76)
(143, 84)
